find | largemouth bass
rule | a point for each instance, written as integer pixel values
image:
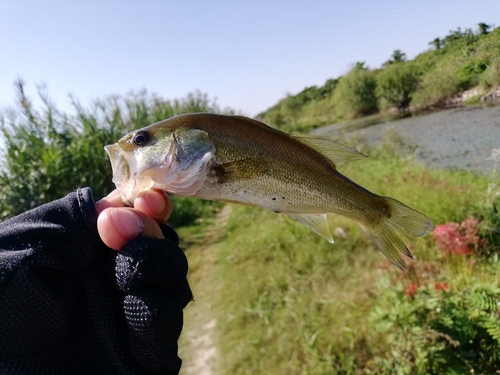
(240, 160)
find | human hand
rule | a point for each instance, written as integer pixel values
(71, 305)
(118, 224)
(154, 282)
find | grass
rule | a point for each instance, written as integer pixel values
(289, 302)
(47, 153)
(467, 61)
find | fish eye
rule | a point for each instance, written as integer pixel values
(141, 138)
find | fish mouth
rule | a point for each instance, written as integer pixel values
(177, 164)
(119, 165)
(127, 184)
(121, 172)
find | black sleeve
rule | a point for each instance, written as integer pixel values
(71, 305)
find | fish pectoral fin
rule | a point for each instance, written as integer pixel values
(337, 152)
(318, 223)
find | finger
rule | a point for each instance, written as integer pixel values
(113, 199)
(117, 226)
(154, 203)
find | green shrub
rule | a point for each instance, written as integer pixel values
(457, 62)
(291, 303)
(491, 76)
(304, 111)
(396, 84)
(469, 74)
(290, 108)
(355, 93)
(437, 328)
(188, 211)
(436, 86)
(314, 94)
(49, 154)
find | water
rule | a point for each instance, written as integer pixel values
(460, 138)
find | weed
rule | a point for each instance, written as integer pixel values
(48, 153)
(292, 303)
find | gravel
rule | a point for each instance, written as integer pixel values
(460, 138)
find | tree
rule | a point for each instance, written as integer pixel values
(395, 84)
(355, 92)
(360, 65)
(436, 43)
(396, 57)
(328, 87)
(483, 28)
(453, 35)
(290, 108)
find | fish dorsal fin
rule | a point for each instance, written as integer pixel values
(318, 223)
(338, 153)
(257, 123)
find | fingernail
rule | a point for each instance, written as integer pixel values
(99, 206)
(127, 223)
(103, 203)
(113, 193)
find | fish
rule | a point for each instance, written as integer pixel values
(237, 159)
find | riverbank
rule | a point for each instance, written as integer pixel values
(459, 138)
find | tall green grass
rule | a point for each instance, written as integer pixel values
(48, 153)
(291, 303)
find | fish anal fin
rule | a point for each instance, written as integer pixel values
(318, 223)
(337, 152)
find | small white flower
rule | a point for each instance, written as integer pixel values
(495, 155)
(438, 309)
(340, 232)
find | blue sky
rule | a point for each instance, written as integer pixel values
(247, 54)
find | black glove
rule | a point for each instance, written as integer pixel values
(71, 305)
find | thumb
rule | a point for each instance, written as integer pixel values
(119, 225)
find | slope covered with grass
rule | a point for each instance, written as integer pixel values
(288, 302)
(461, 60)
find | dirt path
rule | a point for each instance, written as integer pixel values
(458, 138)
(197, 346)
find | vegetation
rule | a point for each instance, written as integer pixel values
(288, 302)
(461, 60)
(355, 93)
(396, 84)
(397, 57)
(49, 154)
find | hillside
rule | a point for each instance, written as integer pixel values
(460, 61)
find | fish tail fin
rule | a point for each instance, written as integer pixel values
(403, 224)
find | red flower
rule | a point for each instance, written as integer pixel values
(460, 239)
(462, 249)
(441, 286)
(411, 290)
